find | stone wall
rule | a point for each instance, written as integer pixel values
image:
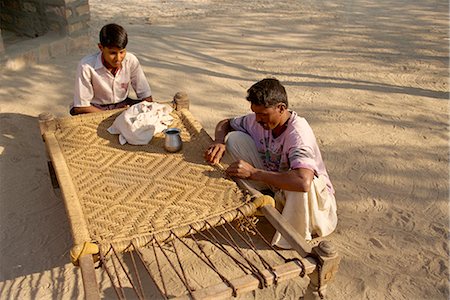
(35, 18)
(54, 27)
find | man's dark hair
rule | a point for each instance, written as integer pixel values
(268, 92)
(113, 35)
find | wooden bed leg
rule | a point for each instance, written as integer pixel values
(46, 123)
(328, 264)
(325, 254)
(181, 100)
(53, 178)
(91, 291)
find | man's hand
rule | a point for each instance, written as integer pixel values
(241, 169)
(214, 153)
(216, 150)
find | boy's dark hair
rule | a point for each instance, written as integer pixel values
(113, 35)
(268, 92)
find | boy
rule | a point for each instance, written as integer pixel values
(103, 79)
(274, 148)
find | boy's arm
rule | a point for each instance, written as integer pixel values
(85, 110)
(138, 80)
(83, 91)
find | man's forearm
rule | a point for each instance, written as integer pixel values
(290, 181)
(222, 129)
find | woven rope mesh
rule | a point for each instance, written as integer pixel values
(138, 193)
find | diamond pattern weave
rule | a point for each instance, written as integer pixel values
(136, 193)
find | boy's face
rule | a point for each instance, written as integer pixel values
(113, 56)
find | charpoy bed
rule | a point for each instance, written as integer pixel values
(125, 198)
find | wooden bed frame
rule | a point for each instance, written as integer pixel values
(320, 262)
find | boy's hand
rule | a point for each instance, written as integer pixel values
(148, 99)
(214, 152)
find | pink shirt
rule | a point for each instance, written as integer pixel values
(95, 84)
(295, 148)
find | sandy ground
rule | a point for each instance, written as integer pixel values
(370, 76)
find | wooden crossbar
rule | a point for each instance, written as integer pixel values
(78, 224)
(249, 282)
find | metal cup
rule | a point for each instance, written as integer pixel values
(172, 141)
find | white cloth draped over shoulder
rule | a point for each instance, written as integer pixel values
(139, 123)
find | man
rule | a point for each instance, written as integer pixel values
(104, 79)
(276, 149)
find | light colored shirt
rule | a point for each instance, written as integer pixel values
(96, 84)
(295, 148)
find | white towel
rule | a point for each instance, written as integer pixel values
(139, 123)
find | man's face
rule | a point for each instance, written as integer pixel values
(268, 117)
(113, 56)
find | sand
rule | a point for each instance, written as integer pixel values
(371, 77)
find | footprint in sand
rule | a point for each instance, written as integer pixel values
(377, 204)
(377, 243)
(439, 229)
(402, 218)
(354, 287)
(445, 246)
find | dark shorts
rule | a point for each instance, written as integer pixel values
(124, 103)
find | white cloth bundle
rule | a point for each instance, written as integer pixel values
(139, 123)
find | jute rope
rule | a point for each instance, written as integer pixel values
(227, 240)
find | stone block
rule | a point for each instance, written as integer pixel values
(57, 27)
(79, 42)
(82, 10)
(56, 10)
(72, 28)
(44, 52)
(30, 7)
(58, 47)
(69, 13)
(30, 56)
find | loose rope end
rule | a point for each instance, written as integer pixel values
(84, 249)
(264, 200)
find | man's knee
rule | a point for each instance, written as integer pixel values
(236, 138)
(241, 146)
